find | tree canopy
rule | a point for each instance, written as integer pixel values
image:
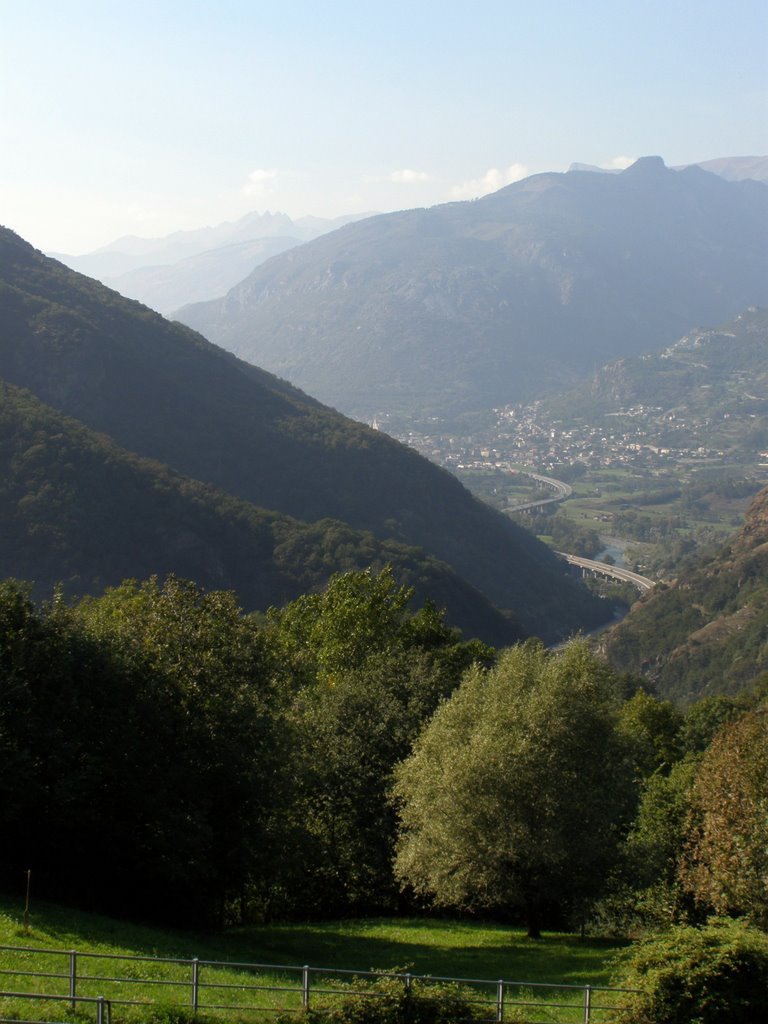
(361, 674)
(518, 791)
(726, 864)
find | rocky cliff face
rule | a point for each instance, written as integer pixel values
(754, 533)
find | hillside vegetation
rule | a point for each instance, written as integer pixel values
(709, 389)
(80, 514)
(164, 393)
(704, 633)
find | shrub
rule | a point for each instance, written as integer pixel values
(388, 1001)
(688, 975)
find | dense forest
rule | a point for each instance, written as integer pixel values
(165, 755)
(81, 513)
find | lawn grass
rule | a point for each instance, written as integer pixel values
(421, 946)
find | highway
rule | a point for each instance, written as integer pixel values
(562, 491)
(642, 583)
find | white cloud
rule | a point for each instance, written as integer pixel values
(619, 163)
(409, 177)
(258, 182)
(493, 179)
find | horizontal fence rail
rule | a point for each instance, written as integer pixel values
(232, 989)
(102, 1005)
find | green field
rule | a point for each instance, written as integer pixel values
(663, 518)
(440, 948)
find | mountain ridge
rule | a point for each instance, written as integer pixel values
(190, 265)
(80, 514)
(164, 392)
(471, 305)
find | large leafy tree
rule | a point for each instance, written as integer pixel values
(726, 863)
(518, 791)
(362, 673)
(337, 628)
(647, 888)
(138, 742)
(203, 735)
(653, 727)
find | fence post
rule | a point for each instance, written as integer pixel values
(195, 984)
(587, 1004)
(100, 1001)
(305, 986)
(408, 992)
(72, 977)
(500, 1001)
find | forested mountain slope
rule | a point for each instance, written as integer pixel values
(77, 511)
(163, 392)
(477, 304)
(705, 633)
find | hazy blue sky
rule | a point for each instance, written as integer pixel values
(144, 117)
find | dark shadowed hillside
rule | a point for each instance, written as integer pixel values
(163, 392)
(78, 511)
(477, 304)
(706, 632)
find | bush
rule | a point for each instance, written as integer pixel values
(688, 975)
(388, 1001)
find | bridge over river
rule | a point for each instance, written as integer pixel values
(588, 566)
(612, 572)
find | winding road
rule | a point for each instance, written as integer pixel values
(562, 491)
(587, 565)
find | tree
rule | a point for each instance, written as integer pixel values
(704, 719)
(518, 791)
(362, 675)
(649, 887)
(137, 741)
(652, 726)
(356, 614)
(726, 862)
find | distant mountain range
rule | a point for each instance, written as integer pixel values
(190, 266)
(738, 168)
(705, 633)
(227, 441)
(732, 168)
(472, 305)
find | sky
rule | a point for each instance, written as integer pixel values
(144, 118)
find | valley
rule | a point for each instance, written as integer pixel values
(663, 451)
(384, 514)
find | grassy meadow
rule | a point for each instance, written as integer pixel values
(425, 946)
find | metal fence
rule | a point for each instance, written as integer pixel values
(243, 990)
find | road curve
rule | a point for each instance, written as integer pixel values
(562, 491)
